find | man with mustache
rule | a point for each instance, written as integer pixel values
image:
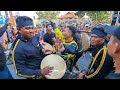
(102, 64)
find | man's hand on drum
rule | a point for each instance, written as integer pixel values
(46, 70)
(45, 50)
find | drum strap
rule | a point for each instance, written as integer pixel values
(94, 59)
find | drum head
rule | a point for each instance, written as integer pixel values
(85, 41)
(58, 63)
(47, 46)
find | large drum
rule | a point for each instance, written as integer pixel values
(85, 41)
(58, 63)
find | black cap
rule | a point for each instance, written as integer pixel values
(99, 30)
(114, 30)
(22, 21)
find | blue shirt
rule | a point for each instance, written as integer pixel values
(113, 76)
(27, 56)
(2, 55)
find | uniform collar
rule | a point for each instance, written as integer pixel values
(100, 46)
(103, 44)
(25, 40)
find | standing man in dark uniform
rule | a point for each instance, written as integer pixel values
(102, 64)
(4, 72)
(27, 52)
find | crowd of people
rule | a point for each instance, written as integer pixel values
(26, 43)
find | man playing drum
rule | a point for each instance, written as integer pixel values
(27, 52)
(102, 64)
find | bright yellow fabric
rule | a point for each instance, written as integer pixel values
(59, 34)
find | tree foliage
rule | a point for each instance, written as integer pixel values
(45, 14)
(95, 15)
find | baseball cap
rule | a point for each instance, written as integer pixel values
(114, 30)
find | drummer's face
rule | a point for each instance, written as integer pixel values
(27, 32)
(96, 40)
(66, 33)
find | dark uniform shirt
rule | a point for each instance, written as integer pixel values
(48, 38)
(107, 67)
(27, 56)
(2, 55)
(2, 58)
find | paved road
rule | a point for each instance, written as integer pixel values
(83, 63)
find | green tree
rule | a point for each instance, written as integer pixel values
(95, 15)
(45, 14)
